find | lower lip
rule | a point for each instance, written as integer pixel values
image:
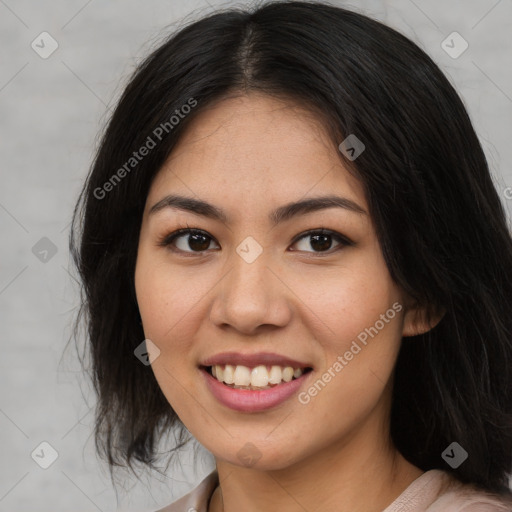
(247, 400)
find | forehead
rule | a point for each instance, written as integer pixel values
(255, 149)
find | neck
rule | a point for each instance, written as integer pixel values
(354, 475)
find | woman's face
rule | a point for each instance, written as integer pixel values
(254, 286)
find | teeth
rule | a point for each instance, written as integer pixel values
(288, 374)
(261, 377)
(275, 375)
(229, 371)
(242, 376)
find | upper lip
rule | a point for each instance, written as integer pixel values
(252, 360)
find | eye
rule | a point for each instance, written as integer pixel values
(321, 240)
(193, 240)
(187, 238)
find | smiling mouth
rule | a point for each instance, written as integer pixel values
(254, 378)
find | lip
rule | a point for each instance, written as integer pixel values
(246, 400)
(252, 360)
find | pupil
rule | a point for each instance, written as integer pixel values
(195, 242)
(324, 242)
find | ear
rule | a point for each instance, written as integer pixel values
(416, 319)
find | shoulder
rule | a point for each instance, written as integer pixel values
(434, 491)
(439, 491)
(456, 496)
(197, 499)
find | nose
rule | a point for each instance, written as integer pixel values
(251, 298)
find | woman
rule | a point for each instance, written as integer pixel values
(291, 247)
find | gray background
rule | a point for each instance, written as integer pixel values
(51, 112)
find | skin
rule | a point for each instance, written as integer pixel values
(249, 155)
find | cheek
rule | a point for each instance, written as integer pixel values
(153, 297)
(344, 302)
(167, 300)
(360, 332)
(166, 306)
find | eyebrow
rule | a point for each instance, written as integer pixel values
(281, 214)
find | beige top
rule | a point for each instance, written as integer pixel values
(428, 493)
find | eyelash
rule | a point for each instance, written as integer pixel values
(167, 240)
